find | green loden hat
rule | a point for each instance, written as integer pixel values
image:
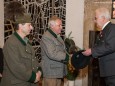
(26, 18)
(79, 61)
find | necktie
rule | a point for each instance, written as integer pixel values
(100, 33)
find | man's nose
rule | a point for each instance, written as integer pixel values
(31, 27)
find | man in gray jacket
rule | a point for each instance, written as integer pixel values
(53, 54)
(20, 64)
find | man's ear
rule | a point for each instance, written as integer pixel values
(52, 25)
(20, 25)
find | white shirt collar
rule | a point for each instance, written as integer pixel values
(105, 25)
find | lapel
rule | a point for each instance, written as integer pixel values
(102, 35)
(60, 40)
(21, 40)
(106, 29)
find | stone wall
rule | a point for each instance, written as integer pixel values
(89, 8)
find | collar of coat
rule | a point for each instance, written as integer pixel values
(21, 40)
(52, 33)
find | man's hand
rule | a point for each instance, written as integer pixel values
(38, 75)
(87, 52)
(70, 55)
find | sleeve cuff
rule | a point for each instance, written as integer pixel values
(40, 69)
(32, 78)
(1, 70)
(67, 58)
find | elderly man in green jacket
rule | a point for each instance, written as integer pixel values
(20, 64)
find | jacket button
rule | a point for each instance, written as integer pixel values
(32, 59)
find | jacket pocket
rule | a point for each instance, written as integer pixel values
(16, 81)
(53, 66)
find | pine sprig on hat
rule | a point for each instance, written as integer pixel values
(13, 9)
(70, 44)
(71, 48)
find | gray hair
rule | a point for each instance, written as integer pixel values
(104, 12)
(52, 20)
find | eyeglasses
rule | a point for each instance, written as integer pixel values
(59, 25)
(95, 18)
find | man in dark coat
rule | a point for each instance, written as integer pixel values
(105, 47)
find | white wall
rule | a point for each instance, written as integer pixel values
(74, 23)
(74, 20)
(1, 23)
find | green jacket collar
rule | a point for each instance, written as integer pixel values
(20, 39)
(52, 33)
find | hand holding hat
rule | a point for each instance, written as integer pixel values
(80, 61)
(77, 60)
(87, 52)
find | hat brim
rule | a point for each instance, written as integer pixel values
(26, 18)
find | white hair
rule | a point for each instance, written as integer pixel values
(52, 21)
(104, 12)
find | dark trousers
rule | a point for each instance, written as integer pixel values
(0, 79)
(110, 81)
